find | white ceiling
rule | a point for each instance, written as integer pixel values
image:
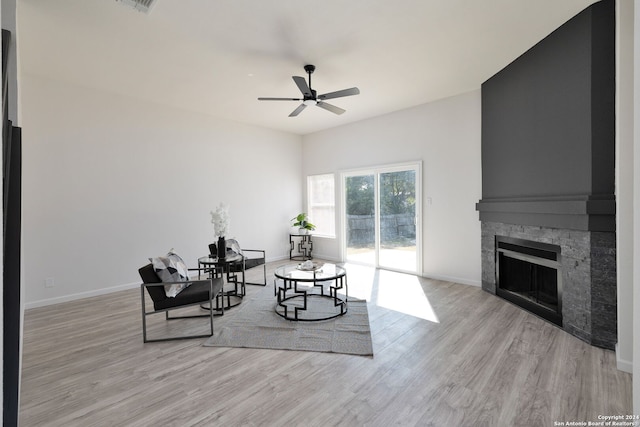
(218, 57)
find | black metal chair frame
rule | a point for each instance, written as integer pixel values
(215, 291)
(264, 266)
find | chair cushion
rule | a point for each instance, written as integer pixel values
(252, 262)
(148, 275)
(236, 267)
(198, 292)
(171, 268)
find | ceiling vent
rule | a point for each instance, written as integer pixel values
(139, 5)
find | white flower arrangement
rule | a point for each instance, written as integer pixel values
(220, 219)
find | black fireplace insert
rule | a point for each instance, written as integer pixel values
(528, 274)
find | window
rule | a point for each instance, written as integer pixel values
(321, 203)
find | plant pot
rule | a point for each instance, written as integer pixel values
(303, 231)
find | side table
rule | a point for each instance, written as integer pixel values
(303, 245)
(234, 289)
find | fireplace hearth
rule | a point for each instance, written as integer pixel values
(529, 274)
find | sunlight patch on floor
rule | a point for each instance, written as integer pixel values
(392, 290)
(360, 280)
(403, 293)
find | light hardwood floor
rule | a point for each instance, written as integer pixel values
(461, 357)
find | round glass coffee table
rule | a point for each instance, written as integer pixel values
(313, 294)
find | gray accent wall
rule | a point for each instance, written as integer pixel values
(548, 130)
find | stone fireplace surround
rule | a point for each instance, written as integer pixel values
(588, 264)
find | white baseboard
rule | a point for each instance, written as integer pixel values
(623, 365)
(460, 280)
(326, 258)
(80, 295)
(278, 258)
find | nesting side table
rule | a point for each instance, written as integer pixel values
(302, 245)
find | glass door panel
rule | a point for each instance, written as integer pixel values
(397, 209)
(360, 202)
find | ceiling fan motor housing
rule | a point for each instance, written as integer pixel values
(313, 96)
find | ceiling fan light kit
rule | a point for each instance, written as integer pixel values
(310, 96)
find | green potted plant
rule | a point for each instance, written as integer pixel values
(302, 222)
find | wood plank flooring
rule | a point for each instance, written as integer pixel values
(461, 357)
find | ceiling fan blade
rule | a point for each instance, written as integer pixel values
(297, 110)
(279, 99)
(340, 93)
(302, 85)
(329, 107)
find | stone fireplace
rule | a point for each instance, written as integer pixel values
(548, 178)
(588, 276)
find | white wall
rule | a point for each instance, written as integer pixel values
(636, 207)
(624, 182)
(110, 181)
(445, 136)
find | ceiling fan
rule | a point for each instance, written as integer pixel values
(310, 96)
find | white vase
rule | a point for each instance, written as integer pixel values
(303, 231)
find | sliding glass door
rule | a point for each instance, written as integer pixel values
(360, 206)
(382, 208)
(397, 207)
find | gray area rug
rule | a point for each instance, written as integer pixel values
(254, 324)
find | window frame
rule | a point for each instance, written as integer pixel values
(320, 231)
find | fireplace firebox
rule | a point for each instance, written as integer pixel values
(529, 274)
